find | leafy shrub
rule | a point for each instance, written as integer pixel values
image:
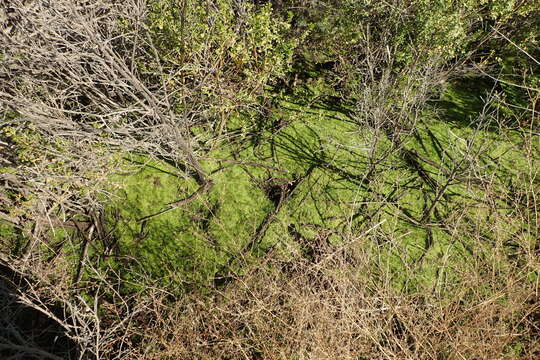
(232, 49)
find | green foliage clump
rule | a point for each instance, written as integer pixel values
(228, 50)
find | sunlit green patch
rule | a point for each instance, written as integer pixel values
(186, 244)
(241, 206)
(327, 157)
(422, 222)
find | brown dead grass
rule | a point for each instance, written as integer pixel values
(331, 310)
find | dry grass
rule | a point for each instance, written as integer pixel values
(338, 309)
(341, 306)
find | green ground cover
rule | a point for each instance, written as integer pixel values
(328, 154)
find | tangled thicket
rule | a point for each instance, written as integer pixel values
(399, 222)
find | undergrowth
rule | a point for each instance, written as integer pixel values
(272, 180)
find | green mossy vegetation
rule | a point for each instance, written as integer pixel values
(189, 244)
